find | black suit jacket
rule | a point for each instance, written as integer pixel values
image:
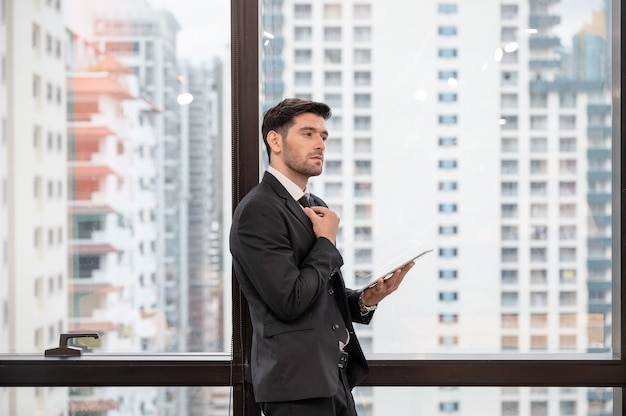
(299, 305)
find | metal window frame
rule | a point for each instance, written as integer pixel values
(225, 369)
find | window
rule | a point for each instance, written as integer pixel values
(403, 141)
(362, 100)
(303, 33)
(303, 56)
(332, 56)
(332, 11)
(447, 30)
(302, 11)
(447, 8)
(332, 34)
(332, 78)
(362, 34)
(447, 52)
(362, 11)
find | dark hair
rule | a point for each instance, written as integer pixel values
(280, 117)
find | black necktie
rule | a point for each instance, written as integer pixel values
(304, 201)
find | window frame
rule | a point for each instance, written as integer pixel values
(226, 369)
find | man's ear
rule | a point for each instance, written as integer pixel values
(274, 140)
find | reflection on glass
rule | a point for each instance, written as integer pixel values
(493, 149)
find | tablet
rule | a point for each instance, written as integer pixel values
(400, 262)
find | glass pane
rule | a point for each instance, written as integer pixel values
(109, 401)
(493, 401)
(112, 173)
(495, 153)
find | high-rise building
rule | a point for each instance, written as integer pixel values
(144, 39)
(33, 190)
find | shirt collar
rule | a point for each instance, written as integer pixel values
(293, 189)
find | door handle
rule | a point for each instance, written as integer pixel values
(64, 350)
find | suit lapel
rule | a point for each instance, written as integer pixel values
(292, 205)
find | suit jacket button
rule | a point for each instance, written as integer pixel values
(335, 327)
(331, 292)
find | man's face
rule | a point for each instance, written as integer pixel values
(302, 149)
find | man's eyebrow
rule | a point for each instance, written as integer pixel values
(309, 128)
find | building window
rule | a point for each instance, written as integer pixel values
(508, 255)
(538, 100)
(362, 100)
(509, 276)
(538, 298)
(508, 11)
(332, 78)
(303, 78)
(567, 144)
(362, 122)
(447, 53)
(567, 99)
(538, 122)
(446, 75)
(362, 189)
(362, 34)
(362, 11)
(508, 167)
(508, 78)
(447, 8)
(538, 276)
(303, 56)
(448, 318)
(302, 33)
(447, 141)
(508, 100)
(447, 164)
(448, 296)
(447, 208)
(447, 97)
(447, 31)
(538, 144)
(332, 34)
(362, 56)
(447, 229)
(363, 167)
(538, 254)
(538, 166)
(509, 320)
(509, 342)
(508, 188)
(567, 122)
(302, 11)
(508, 122)
(509, 298)
(448, 252)
(448, 119)
(448, 274)
(509, 232)
(332, 56)
(447, 186)
(508, 210)
(332, 11)
(508, 144)
(333, 189)
(538, 188)
(362, 78)
(362, 145)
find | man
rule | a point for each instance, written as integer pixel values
(306, 357)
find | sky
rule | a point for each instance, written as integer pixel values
(205, 25)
